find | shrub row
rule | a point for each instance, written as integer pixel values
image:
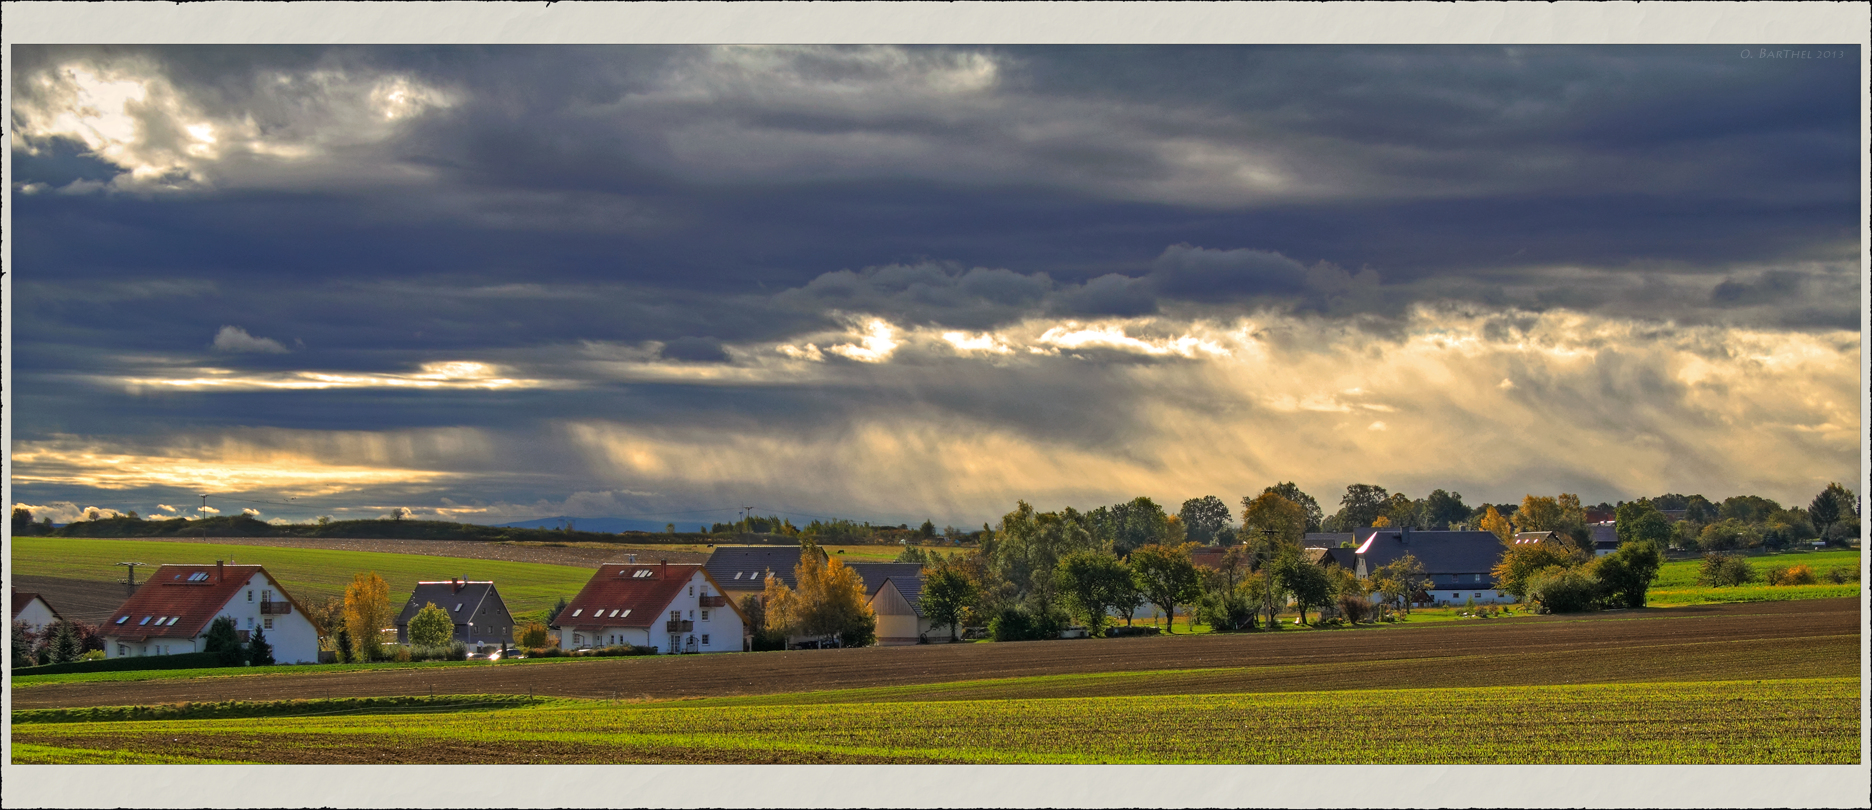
(194, 660)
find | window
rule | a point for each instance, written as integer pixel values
(268, 623)
(626, 614)
(675, 615)
(122, 651)
(705, 615)
(266, 596)
(575, 613)
(250, 594)
(737, 575)
(692, 590)
(613, 615)
(250, 622)
(121, 620)
(705, 639)
(457, 607)
(145, 621)
(691, 615)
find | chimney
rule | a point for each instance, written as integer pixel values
(665, 574)
(632, 558)
(219, 570)
(455, 585)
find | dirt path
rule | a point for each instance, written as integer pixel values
(777, 672)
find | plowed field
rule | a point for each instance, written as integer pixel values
(1817, 638)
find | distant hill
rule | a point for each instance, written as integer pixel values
(610, 525)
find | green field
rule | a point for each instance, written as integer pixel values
(27, 681)
(309, 574)
(1682, 574)
(1677, 581)
(1733, 722)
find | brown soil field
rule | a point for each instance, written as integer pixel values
(1765, 640)
(344, 749)
(589, 555)
(81, 599)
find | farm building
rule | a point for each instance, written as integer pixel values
(1604, 538)
(479, 613)
(34, 611)
(674, 608)
(895, 591)
(1459, 563)
(1346, 558)
(743, 570)
(172, 611)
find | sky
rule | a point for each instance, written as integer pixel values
(494, 283)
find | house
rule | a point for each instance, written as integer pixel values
(895, 592)
(479, 613)
(1459, 564)
(1355, 538)
(1604, 538)
(172, 611)
(674, 608)
(1532, 538)
(1346, 558)
(743, 570)
(34, 611)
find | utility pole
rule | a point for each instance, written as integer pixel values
(130, 581)
(747, 512)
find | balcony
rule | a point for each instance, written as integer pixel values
(679, 626)
(275, 608)
(714, 601)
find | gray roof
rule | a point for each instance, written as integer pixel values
(460, 604)
(1605, 535)
(1346, 558)
(908, 577)
(745, 567)
(1446, 552)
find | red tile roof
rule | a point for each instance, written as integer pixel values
(176, 603)
(21, 600)
(638, 594)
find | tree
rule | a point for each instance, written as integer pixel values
(1362, 503)
(1166, 577)
(1291, 491)
(1400, 511)
(1399, 579)
(1129, 525)
(552, 615)
(223, 639)
(367, 613)
(1724, 535)
(22, 644)
(431, 627)
(1641, 521)
(1204, 519)
(1443, 509)
(829, 601)
(1564, 590)
(22, 521)
(1747, 508)
(947, 595)
(1274, 517)
(927, 530)
(1564, 515)
(259, 652)
(1092, 582)
(533, 635)
(1263, 590)
(65, 646)
(1825, 510)
(1308, 583)
(1625, 575)
(1492, 521)
(1520, 565)
(1721, 570)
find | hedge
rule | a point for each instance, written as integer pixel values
(194, 660)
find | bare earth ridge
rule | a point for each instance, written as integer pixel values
(1780, 639)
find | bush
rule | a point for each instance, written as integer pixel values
(453, 651)
(546, 652)
(1136, 630)
(765, 640)
(194, 660)
(1798, 575)
(616, 650)
(1841, 576)
(1016, 624)
(393, 652)
(1354, 607)
(533, 635)
(1225, 612)
(224, 640)
(1564, 591)
(1722, 570)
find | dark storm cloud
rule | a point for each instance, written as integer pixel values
(626, 229)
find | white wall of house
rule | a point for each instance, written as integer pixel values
(897, 621)
(716, 629)
(291, 635)
(1459, 596)
(36, 615)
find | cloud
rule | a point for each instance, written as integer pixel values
(236, 339)
(207, 510)
(166, 508)
(450, 375)
(250, 512)
(695, 350)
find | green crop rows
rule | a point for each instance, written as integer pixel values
(305, 572)
(1771, 721)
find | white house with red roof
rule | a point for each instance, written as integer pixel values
(171, 612)
(33, 611)
(674, 608)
